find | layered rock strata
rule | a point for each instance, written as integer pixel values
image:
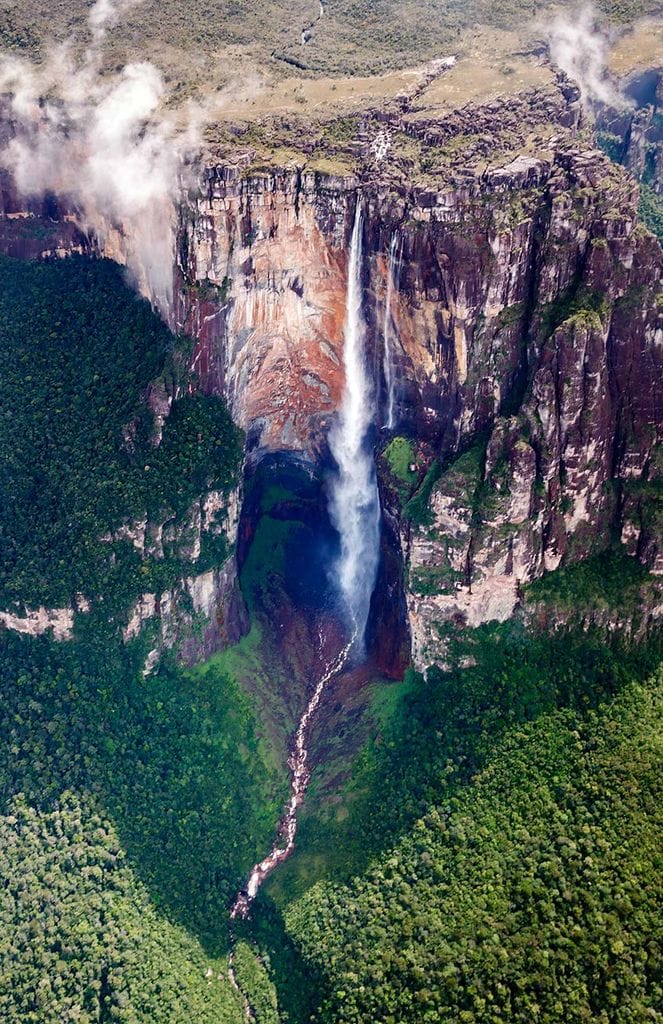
(525, 310)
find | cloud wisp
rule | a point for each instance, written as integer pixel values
(106, 13)
(107, 144)
(580, 48)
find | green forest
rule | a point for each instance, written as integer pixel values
(132, 808)
(533, 892)
(438, 732)
(131, 811)
(489, 852)
(80, 351)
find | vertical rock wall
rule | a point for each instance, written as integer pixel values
(526, 312)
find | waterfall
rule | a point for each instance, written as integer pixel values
(354, 500)
(355, 512)
(388, 354)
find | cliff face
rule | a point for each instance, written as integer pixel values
(634, 134)
(263, 273)
(202, 611)
(263, 294)
(526, 309)
(525, 313)
(484, 271)
(575, 420)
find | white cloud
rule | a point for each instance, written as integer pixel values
(108, 144)
(580, 49)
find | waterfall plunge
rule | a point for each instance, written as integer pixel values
(354, 500)
(355, 512)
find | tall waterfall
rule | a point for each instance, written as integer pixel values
(354, 501)
(355, 512)
(388, 337)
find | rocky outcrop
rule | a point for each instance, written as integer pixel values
(495, 525)
(200, 614)
(214, 515)
(556, 483)
(41, 621)
(634, 623)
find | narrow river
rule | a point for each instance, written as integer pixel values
(300, 776)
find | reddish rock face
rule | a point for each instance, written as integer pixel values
(530, 291)
(263, 292)
(525, 307)
(483, 270)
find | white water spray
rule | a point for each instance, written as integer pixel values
(354, 500)
(389, 339)
(355, 511)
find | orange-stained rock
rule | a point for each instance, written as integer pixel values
(268, 318)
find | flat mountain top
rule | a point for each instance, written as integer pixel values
(211, 43)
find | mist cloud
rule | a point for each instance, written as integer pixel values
(106, 13)
(106, 143)
(580, 49)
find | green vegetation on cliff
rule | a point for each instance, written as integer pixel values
(80, 351)
(417, 509)
(651, 210)
(590, 308)
(609, 580)
(399, 454)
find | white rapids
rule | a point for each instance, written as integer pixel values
(300, 776)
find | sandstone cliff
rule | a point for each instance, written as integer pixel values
(525, 314)
(526, 309)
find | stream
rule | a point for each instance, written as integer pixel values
(300, 777)
(248, 1009)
